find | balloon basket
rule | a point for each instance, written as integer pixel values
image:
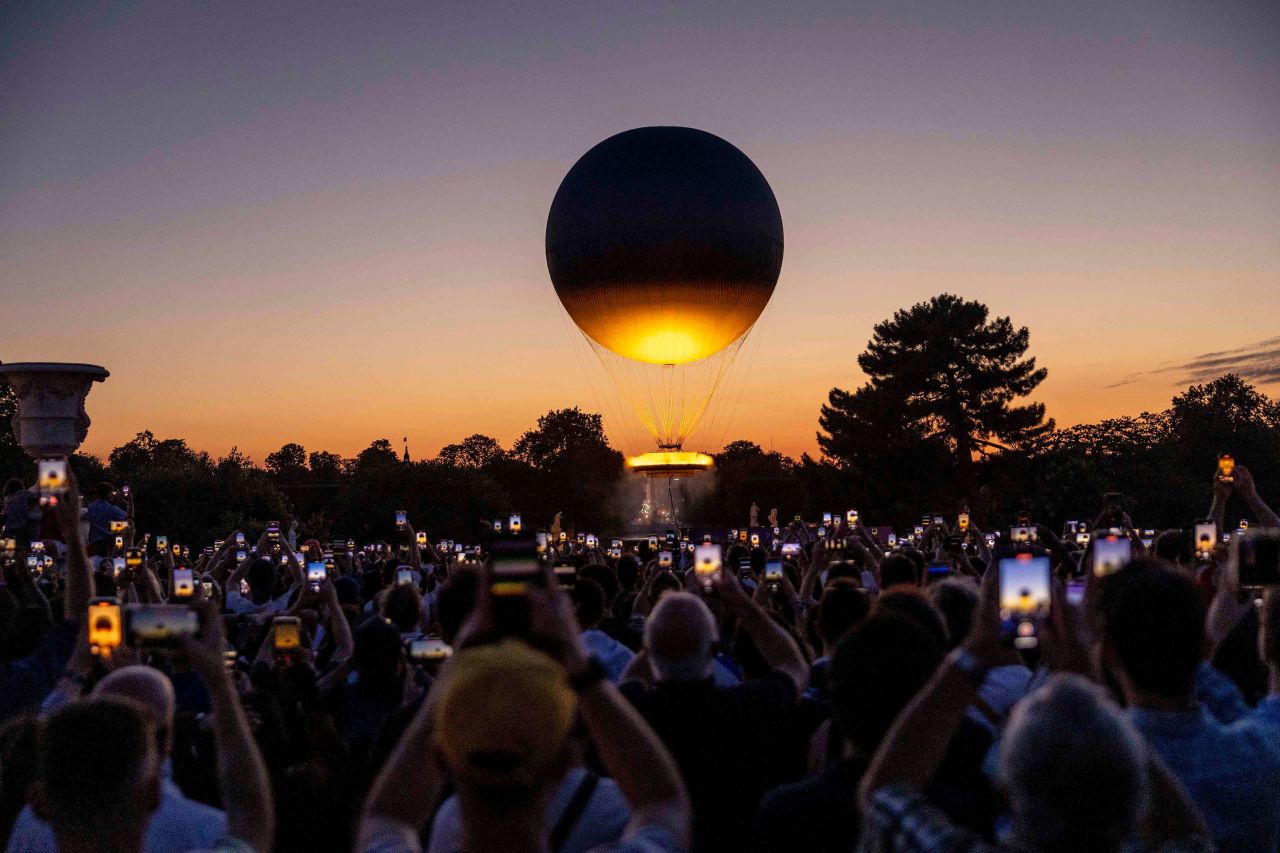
(667, 464)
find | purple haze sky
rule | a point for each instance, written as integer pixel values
(323, 222)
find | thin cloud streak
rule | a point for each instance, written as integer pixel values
(1259, 362)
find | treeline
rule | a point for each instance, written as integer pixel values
(938, 426)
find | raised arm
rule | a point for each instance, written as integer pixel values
(776, 646)
(914, 747)
(242, 774)
(79, 570)
(1248, 492)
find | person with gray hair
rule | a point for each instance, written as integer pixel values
(1077, 773)
(716, 733)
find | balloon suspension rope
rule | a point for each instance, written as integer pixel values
(675, 522)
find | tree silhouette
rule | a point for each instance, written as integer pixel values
(289, 462)
(474, 451)
(942, 370)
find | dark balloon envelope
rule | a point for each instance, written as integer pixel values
(664, 244)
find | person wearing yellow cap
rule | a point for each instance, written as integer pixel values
(497, 724)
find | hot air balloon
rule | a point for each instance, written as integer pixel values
(664, 245)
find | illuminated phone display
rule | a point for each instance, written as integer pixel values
(1024, 597)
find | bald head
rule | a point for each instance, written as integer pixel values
(680, 635)
(150, 690)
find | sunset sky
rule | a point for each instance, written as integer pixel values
(324, 222)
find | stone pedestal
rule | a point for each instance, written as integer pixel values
(51, 419)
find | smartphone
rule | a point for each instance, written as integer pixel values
(207, 586)
(653, 542)
(937, 519)
(1072, 528)
(566, 575)
(429, 649)
(851, 516)
(1020, 534)
(742, 536)
(791, 549)
(422, 539)
(1148, 538)
(664, 559)
(155, 625)
(1255, 558)
(133, 558)
(893, 540)
(119, 540)
(1226, 468)
(991, 540)
(822, 533)
(239, 540)
(183, 583)
(105, 630)
(162, 543)
(755, 540)
(1111, 551)
(273, 530)
(124, 490)
(1082, 538)
(118, 565)
(1024, 597)
(514, 570)
(773, 572)
(706, 564)
(404, 576)
(936, 570)
(826, 519)
(513, 523)
(919, 531)
(1075, 592)
(241, 556)
(118, 526)
(592, 541)
(51, 480)
(497, 526)
(316, 575)
(1206, 536)
(963, 521)
(286, 634)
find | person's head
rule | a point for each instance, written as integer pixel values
(99, 773)
(1068, 752)
(913, 604)
(261, 576)
(898, 570)
(663, 584)
(104, 491)
(454, 601)
(588, 601)
(14, 485)
(875, 670)
(1174, 546)
(680, 636)
(1152, 629)
(956, 599)
(844, 570)
(502, 725)
(151, 692)
(403, 606)
(605, 578)
(378, 656)
(628, 572)
(843, 605)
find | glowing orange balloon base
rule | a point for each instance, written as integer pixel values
(666, 464)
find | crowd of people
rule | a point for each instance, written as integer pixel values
(818, 686)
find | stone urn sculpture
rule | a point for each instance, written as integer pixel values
(51, 419)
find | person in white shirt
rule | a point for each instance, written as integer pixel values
(179, 823)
